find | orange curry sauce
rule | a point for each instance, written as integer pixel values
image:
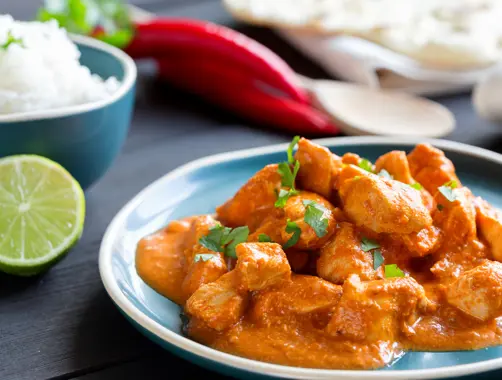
(396, 257)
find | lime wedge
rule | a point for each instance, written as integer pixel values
(42, 212)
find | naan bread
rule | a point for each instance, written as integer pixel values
(448, 34)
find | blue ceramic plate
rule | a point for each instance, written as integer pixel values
(198, 187)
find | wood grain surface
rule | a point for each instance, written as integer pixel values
(62, 324)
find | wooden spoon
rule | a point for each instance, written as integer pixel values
(360, 110)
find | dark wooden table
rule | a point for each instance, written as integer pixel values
(62, 324)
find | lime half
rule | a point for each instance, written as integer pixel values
(42, 212)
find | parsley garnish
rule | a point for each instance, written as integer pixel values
(224, 239)
(366, 165)
(377, 259)
(203, 257)
(264, 238)
(368, 244)
(417, 186)
(392, 270)
(11, 40)
(288, 176)
(291, 146)
(292, 228)
(448, 190)
(315, 217)
(440, 207)
(385, 174)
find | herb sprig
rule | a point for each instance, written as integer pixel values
(392, 270)
(292, 228)
(224, 239)
(315, 217)
(288, 176)
(11, 40)
(107, 20)
(366, 164)
(448, 190)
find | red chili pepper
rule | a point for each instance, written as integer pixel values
(247, 100)
(202, 40)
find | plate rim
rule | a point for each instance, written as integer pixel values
(254, 366)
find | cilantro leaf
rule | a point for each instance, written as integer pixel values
(107, 20)
(214, 239)
(287, 178)
(264, 238)
(292, 228)
(224, 239)
(237, 236)
(417, 186)
(315, 217)
(291, 146)
(203, 257)
(448, 190)
(11, 40)
(368, 244)
(283, 197)
(440, 207)
(366, 165)
(377, 259)
(392, 270)
(385, 174)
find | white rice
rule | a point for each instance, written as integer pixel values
(44, 71)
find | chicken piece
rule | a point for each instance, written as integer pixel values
(318, 168)
(430, 167)
(253, 201)
(200, 272)
(261, 265)
(351, 159)
(218, 304)
(396, 164)
(303, 295)
(378, 310)
(489, 223)
(203, 272)
(380, 204)
(478, 292)
(421, 243)
(457, 219)
(275, 224)
(343, 256)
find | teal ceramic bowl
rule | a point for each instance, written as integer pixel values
(198, 187)
(85, 139)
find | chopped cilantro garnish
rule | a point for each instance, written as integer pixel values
(315, 217)
(203, 257)
(377, 259)
(107, 20)
(417, 186)
(368, 244)
(292, 228)
(440, 207)
(366, 165)
(264, 238)
(283, 197)
(385, 174)
(288, 176)
(11, 40)
(392, 270)
(292, 145)
(237, 236)
(448, 190)
(224, 239)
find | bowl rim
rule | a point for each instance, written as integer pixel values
(254, 366)
(130, 75)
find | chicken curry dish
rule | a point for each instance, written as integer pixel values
(323, 261)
